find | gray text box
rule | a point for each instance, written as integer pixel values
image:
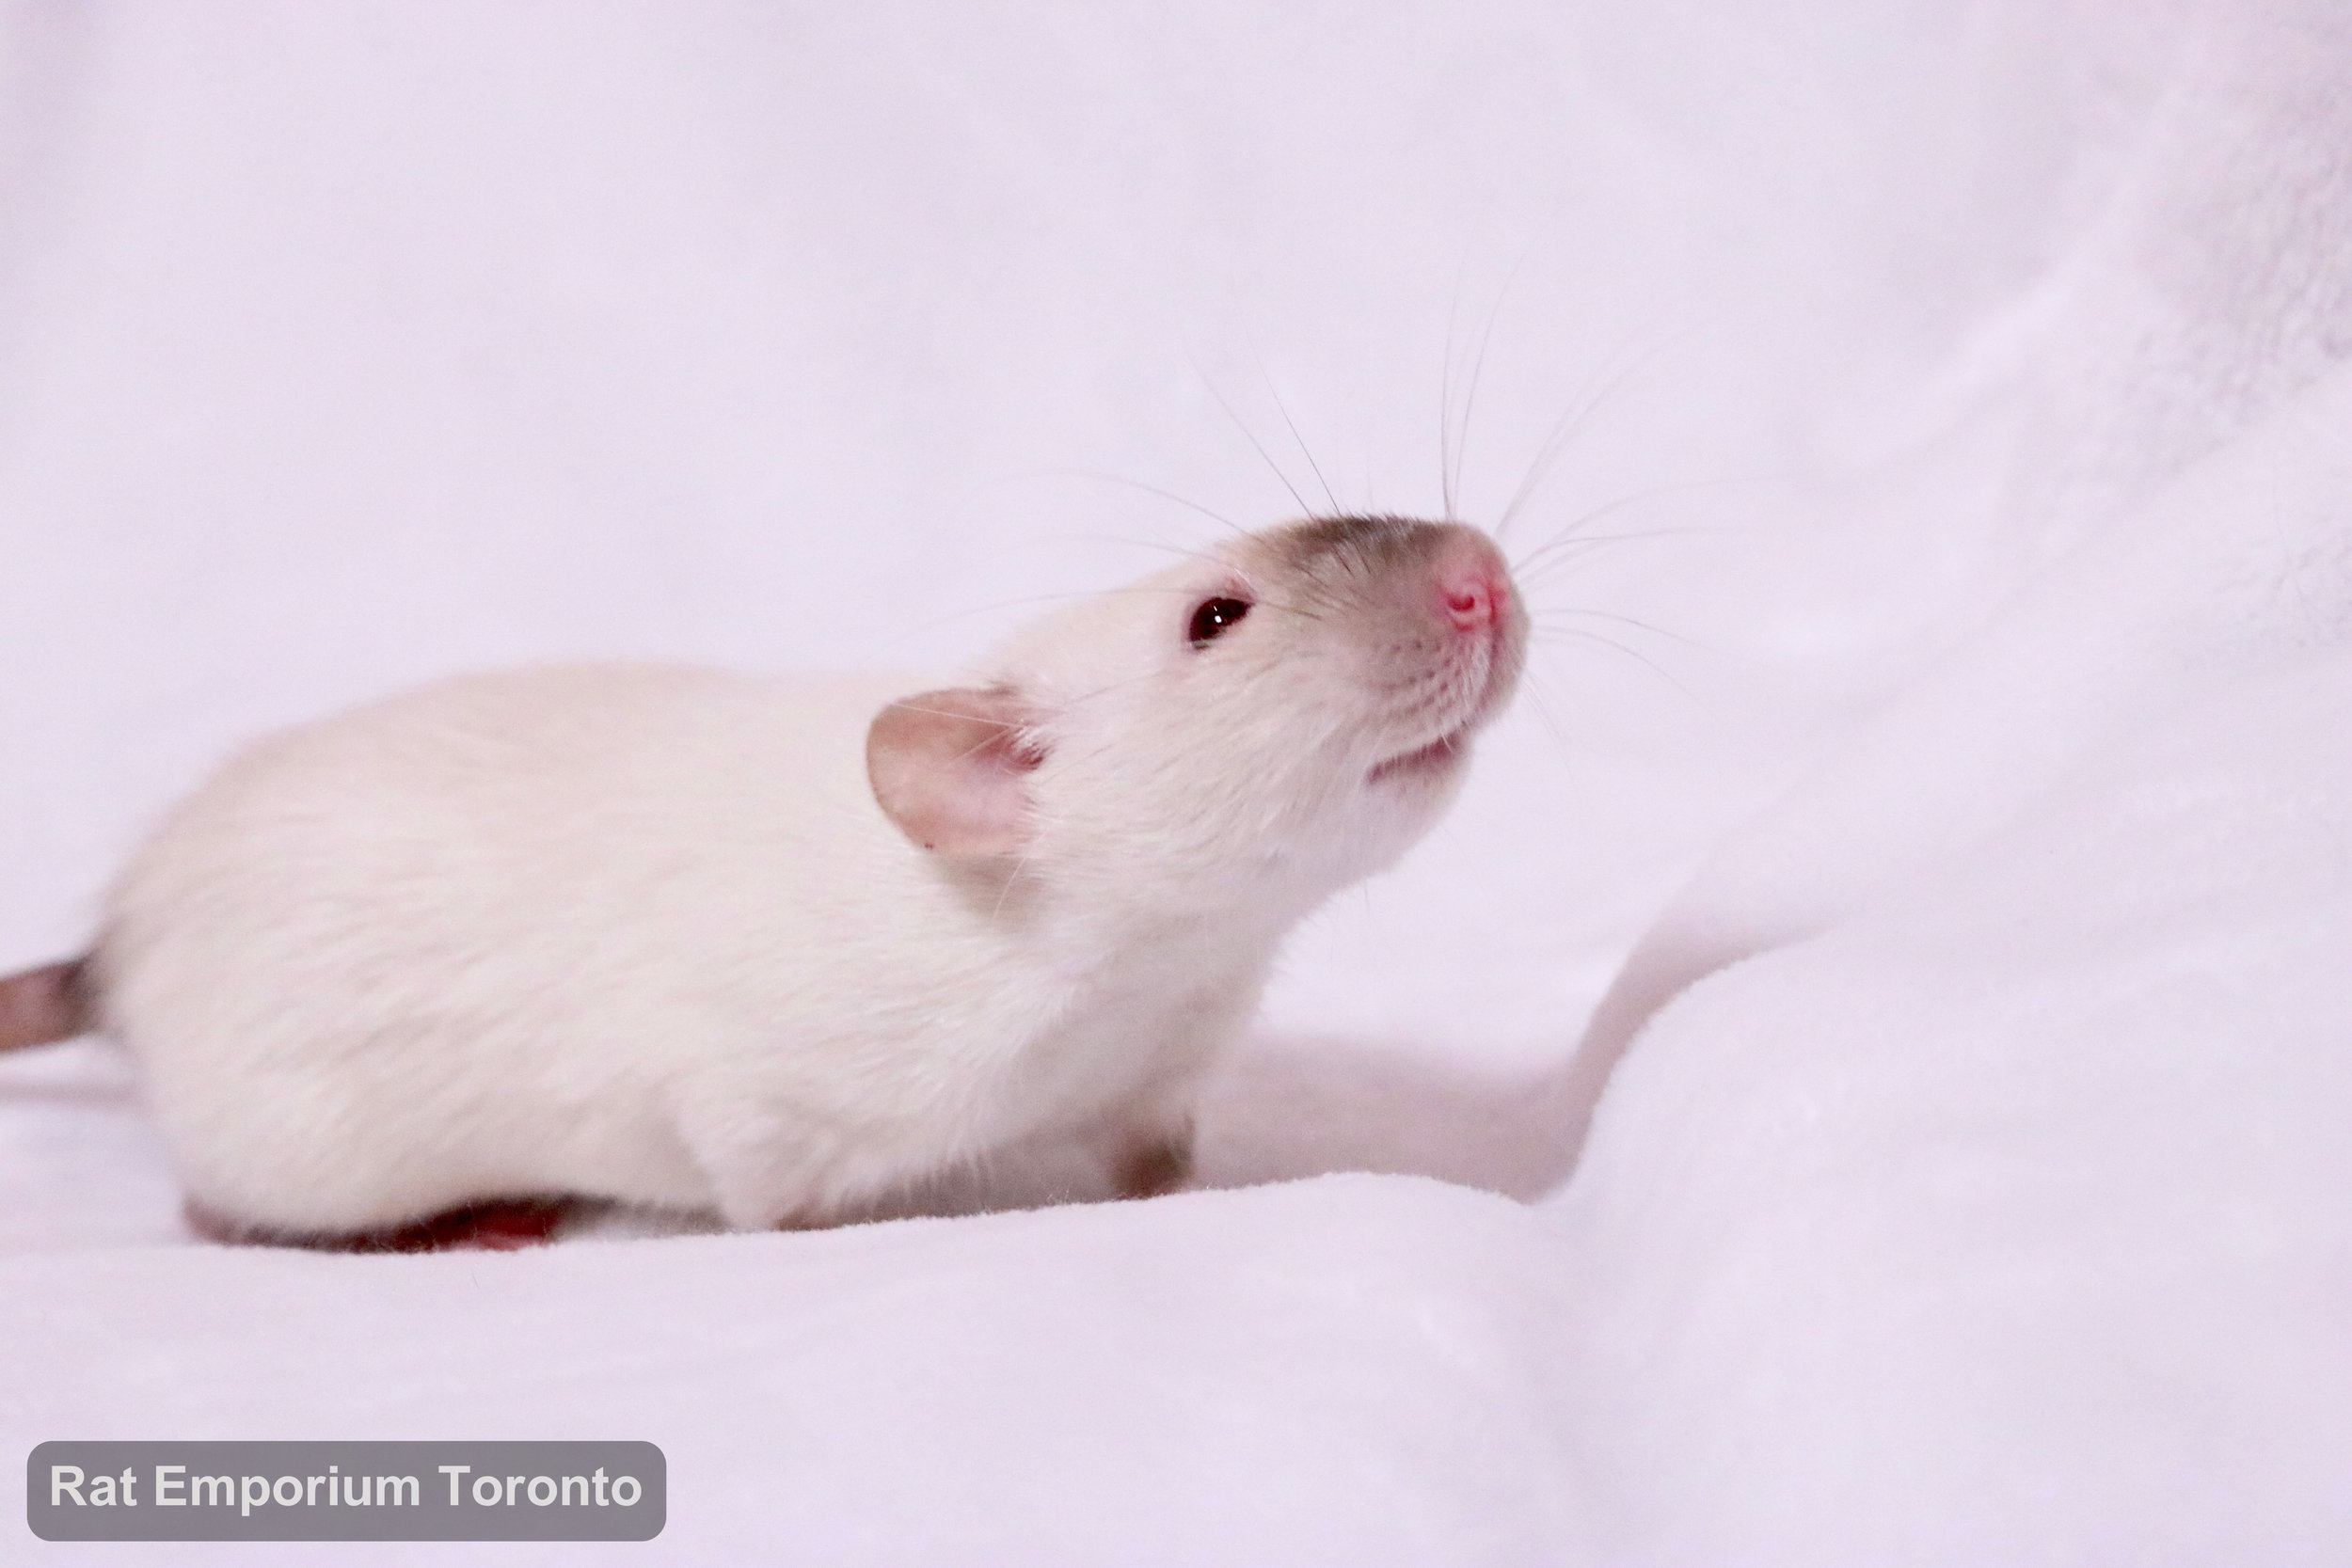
(165, 1491)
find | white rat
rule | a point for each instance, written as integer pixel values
(781, 948)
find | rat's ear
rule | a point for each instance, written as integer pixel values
(951, 768)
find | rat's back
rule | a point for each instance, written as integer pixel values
(502, 908)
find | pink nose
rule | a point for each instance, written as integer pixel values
(1474, 597)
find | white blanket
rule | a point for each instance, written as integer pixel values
(1965, 1182)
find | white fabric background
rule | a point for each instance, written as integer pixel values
(1965, 804)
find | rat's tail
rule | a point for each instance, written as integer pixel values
(43, 1004)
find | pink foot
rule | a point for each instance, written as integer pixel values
(506, 1224)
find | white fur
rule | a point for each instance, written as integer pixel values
(644, 933)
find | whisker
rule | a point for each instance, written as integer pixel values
(1102, 478)
(1543, 571)
(1248, 435)
(1445, 390)
(1574, 531)
(1543, 711)
(1163, 546)
(1283, 409)
(1020, 865)
(1571, 422)
(1555, 442)
(1655, 668)
(1478, 369)
(1541, 620)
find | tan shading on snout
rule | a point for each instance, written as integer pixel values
(950, 770)
(1426, 618)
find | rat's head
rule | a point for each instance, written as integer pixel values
(1281, 715)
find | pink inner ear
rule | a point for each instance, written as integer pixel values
(951, 770)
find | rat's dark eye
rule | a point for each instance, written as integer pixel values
(1210, 621)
